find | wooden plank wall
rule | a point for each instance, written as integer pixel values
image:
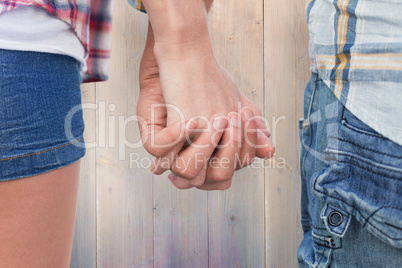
(127, 217)
(286, 65)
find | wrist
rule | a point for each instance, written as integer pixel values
(199, 51)
(181, 33)
(179, 50)
(175, 22)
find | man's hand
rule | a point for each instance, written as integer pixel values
(199, 88)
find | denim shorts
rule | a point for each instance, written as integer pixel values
(41, 123)
(351, 187)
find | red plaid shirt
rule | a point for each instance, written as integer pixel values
(91, 21)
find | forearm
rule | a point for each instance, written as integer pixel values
(151, 39)
(178, 24)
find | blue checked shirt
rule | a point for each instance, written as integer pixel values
(356, 49)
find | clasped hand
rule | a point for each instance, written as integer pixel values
(195, 121)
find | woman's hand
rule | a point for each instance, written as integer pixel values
(186, 83)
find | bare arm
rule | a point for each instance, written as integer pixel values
(178, 26)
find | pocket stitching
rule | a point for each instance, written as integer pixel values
(377, 173)
(367, 161)
(357, 210)
(346, 124)
(366, 148)
(372, 214)
(353, 128)
(327, 244)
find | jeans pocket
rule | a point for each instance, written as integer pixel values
(363, 176)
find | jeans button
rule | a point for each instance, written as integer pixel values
(335, 218)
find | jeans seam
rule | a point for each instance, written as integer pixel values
(302, 142)
(376, 173)
(310, 107)
(366, 148)
(41, 152)
(329, 247)
(365, 160)
(372, 214)
(319, 228)
(346, 124)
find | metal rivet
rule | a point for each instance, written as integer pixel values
(306, 124)
(335, 218)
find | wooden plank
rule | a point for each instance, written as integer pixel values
(236, 216)
(181, 231)
(286, 74)
(124, 189)
(84, 245)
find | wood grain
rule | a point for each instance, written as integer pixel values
(286, 74)
(123, 189)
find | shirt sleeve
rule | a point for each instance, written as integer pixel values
(137, 4)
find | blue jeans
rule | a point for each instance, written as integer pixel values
(351, 188)
(41, 121)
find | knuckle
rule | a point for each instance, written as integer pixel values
(224, 186)
(197, 182)
(273, 149)
(237, 142)
(157, 170)
(186, 173)
(154, 151)
(246, 160)
(222, 176)
(251, 125)
(203, 188)
(183, 187)
(182, 184)
(174, 134)
(269, 153)
(257, 112)
(244, 163)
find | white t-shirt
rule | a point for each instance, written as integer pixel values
(30, 28)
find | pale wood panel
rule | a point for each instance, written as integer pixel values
(84, 245)
(124, 190)
(286, 74)
(236, 216)
(181, 226)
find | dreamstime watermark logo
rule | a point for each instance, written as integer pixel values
(112, 132)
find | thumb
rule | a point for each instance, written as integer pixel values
(159, 140)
